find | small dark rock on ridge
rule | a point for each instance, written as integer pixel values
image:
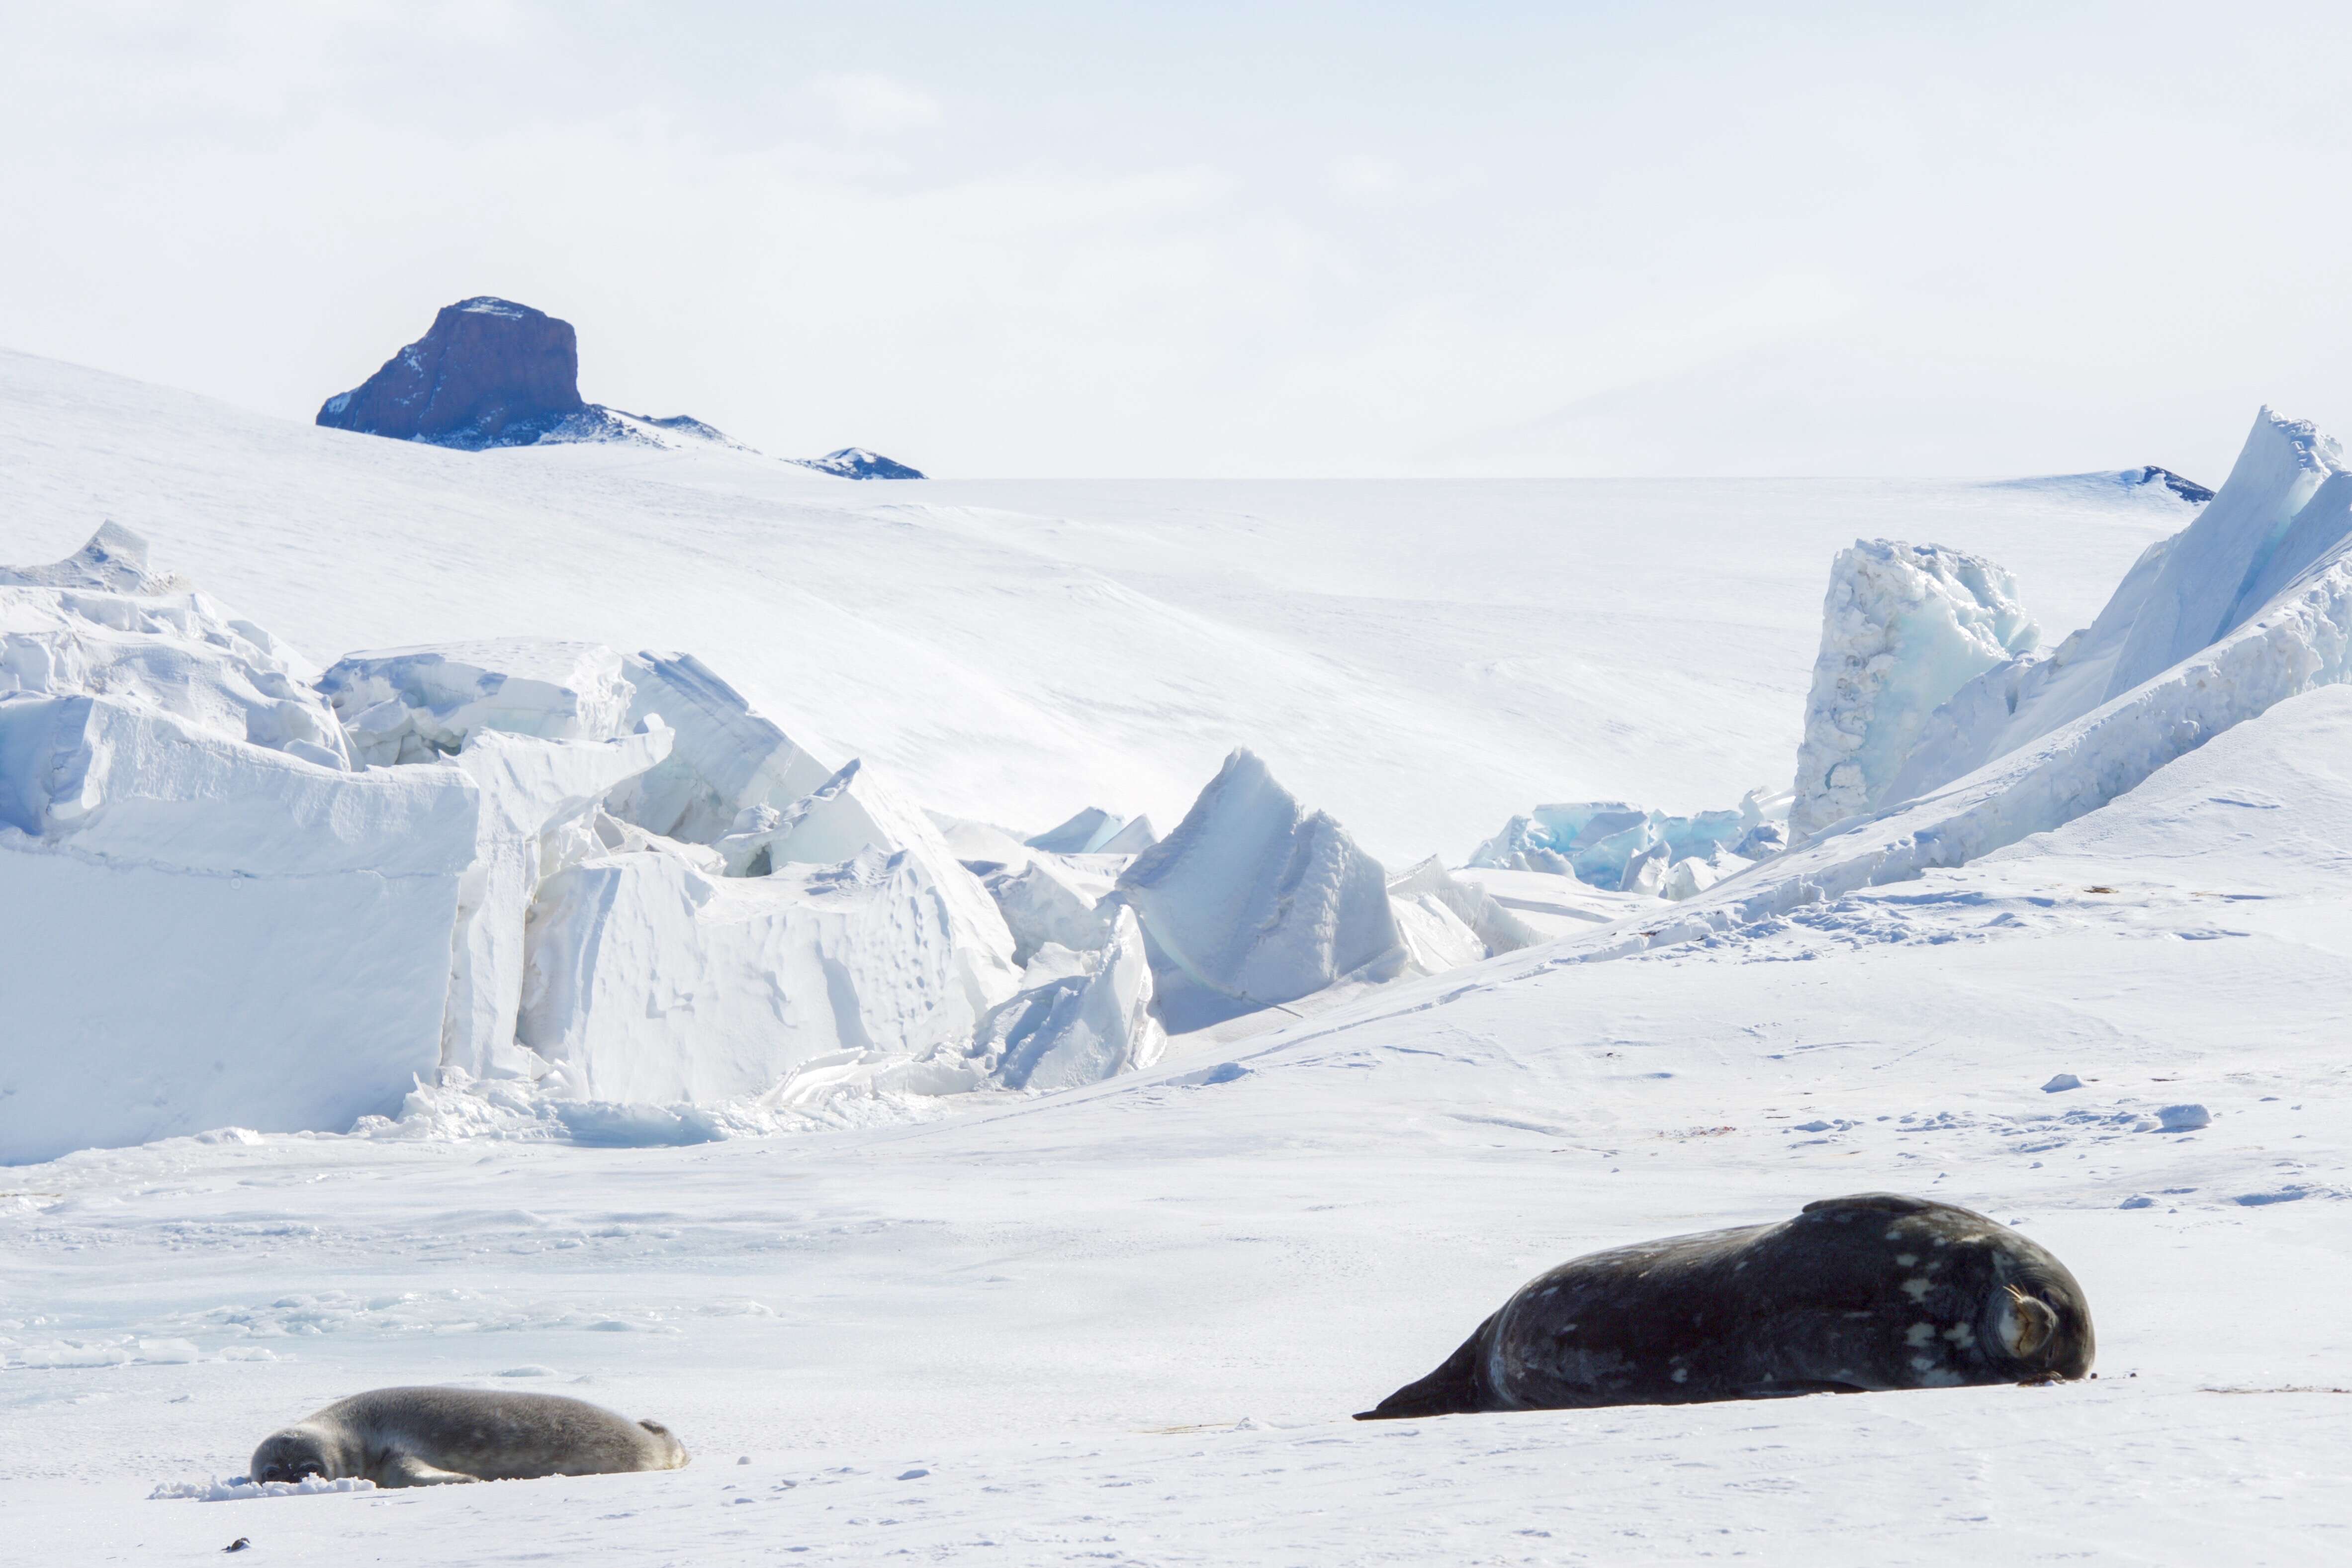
(857, 463)
(2189, 490)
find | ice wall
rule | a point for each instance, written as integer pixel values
(1258, 900)
(197, 931)
(651, 980)
(531, 792)
(1904, 627)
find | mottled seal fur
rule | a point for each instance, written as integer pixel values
(430, 1436)
(1872, 1291)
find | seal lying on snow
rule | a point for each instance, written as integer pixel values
(1866, 1292)
(429, 1437)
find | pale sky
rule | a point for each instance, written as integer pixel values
(1030, 238)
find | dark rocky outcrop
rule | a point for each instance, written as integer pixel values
(490, 373)
(857, 463)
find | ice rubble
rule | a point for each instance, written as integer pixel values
(1255, 901)
(412, 705)
(1046, 902)
(652, 980)
(1622, 847)
(102, 622)
(1079, 1018)
(1432, 891)
(854, 811)
(601, 881)
(728, 759)
(1904, 627)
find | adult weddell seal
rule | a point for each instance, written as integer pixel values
(432, 1437)
(1871, 1292)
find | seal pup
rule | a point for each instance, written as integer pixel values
(432, 1437)
(1872, 1291)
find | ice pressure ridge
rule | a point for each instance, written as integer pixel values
(2247, 606)
(238, 891)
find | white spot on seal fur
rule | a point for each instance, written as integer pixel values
(1905, 1259)
(1915, 1288)
(1921, 1336)
(1961, 1335)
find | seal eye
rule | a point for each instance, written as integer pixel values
(2029, 1325)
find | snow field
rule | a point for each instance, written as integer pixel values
(1127, 1322)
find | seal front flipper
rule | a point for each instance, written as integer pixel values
(408, 1470)
(1452, 1390)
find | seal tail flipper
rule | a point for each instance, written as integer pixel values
(408, 1470)
(1452, 1390)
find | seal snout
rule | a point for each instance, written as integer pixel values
(287, 1457)
(2028, 1324)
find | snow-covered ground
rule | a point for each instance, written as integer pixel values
(1127, 1323)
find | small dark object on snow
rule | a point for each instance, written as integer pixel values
(239, 1544)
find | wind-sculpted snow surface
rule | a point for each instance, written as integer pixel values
(1904, 627)
(1256, 901)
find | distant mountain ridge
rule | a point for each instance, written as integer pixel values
(493, 372)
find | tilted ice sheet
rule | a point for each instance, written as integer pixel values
(2281, 515)
(1258, 900)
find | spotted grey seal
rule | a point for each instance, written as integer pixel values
(1872, 1291)
(430, 1436)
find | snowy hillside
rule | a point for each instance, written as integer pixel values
(981, 1200)
(1421, 659)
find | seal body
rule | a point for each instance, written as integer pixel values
(1874, 1292)
(430, 1436)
